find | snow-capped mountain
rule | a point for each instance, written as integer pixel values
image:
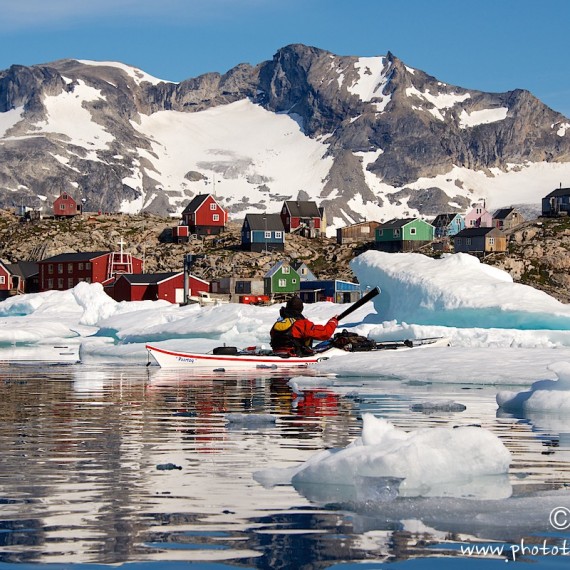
(365, 137)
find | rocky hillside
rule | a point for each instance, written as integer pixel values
(149, 237)
(538, 250)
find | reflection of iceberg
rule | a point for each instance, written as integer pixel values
(387, 462)
(505, 520)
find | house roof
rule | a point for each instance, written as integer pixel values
(149, 278)
(277, 267)
(303, 209)
(24, 269)
(270, 222)
(559, 192)
(443, 219)
(503, 213)
(396, 223)
(477, 232)
(197, 201)
(78, 256)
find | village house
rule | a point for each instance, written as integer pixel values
(333, 290)
(361, 232)
(557, 203)
(154, 286)
(303, 218)
(403, 235)
(236, 287)
(66, 270)
(65, 206)
(281, 279)
(480, 241)
(305, 274)
(478, 217)
(18, 278)
(203, 216)
(262, 232)
(507, 219)
(447, 225)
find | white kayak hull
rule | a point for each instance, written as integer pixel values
(199, 361)
(167, 358)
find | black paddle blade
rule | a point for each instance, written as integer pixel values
(370, 295)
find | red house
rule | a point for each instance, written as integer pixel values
(18, 278)
(66, 270)
(204, 216)
(6, 284)
(65, 206)
(154, 286)
(303, 218)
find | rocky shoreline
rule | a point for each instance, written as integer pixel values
(538, 250)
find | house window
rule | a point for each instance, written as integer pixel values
(88, 266)
(50, 268)
(396, 233)
(70, 282)
(478, 211)
(88, 280)
(267, 235)
(216, 217)
(491, 241)
(293, 280)
(286, 270)
(64, 196)
(412, 231)
(467, 241)
(60, 267)
(457, 241)
(60, 283)
(2, 280)
(50, 283)
(304, 271)
(380, 233)
(278, 235)
(70, 267)
(62, 206)
(282, 283)
(213, 206)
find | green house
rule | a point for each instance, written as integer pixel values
(281, 278)
(407, 234)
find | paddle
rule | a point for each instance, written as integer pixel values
(370, 295)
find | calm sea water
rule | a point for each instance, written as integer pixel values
(140, 467)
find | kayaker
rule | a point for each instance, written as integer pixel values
(294, 334)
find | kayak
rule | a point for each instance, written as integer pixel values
(224, 358)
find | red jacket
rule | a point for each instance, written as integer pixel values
(305, 329)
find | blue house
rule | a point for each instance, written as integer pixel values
(447, 225)
(305, 274)
(334, 290)
(262, 232)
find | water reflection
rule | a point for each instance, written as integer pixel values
(79, 476)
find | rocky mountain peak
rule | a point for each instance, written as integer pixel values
(365, 137)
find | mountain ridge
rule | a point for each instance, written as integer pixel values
(367, 138)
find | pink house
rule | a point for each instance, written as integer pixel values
(479, 217)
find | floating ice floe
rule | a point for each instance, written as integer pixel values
(544, 395)
(386, 462)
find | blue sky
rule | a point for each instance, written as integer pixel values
(496, 45)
